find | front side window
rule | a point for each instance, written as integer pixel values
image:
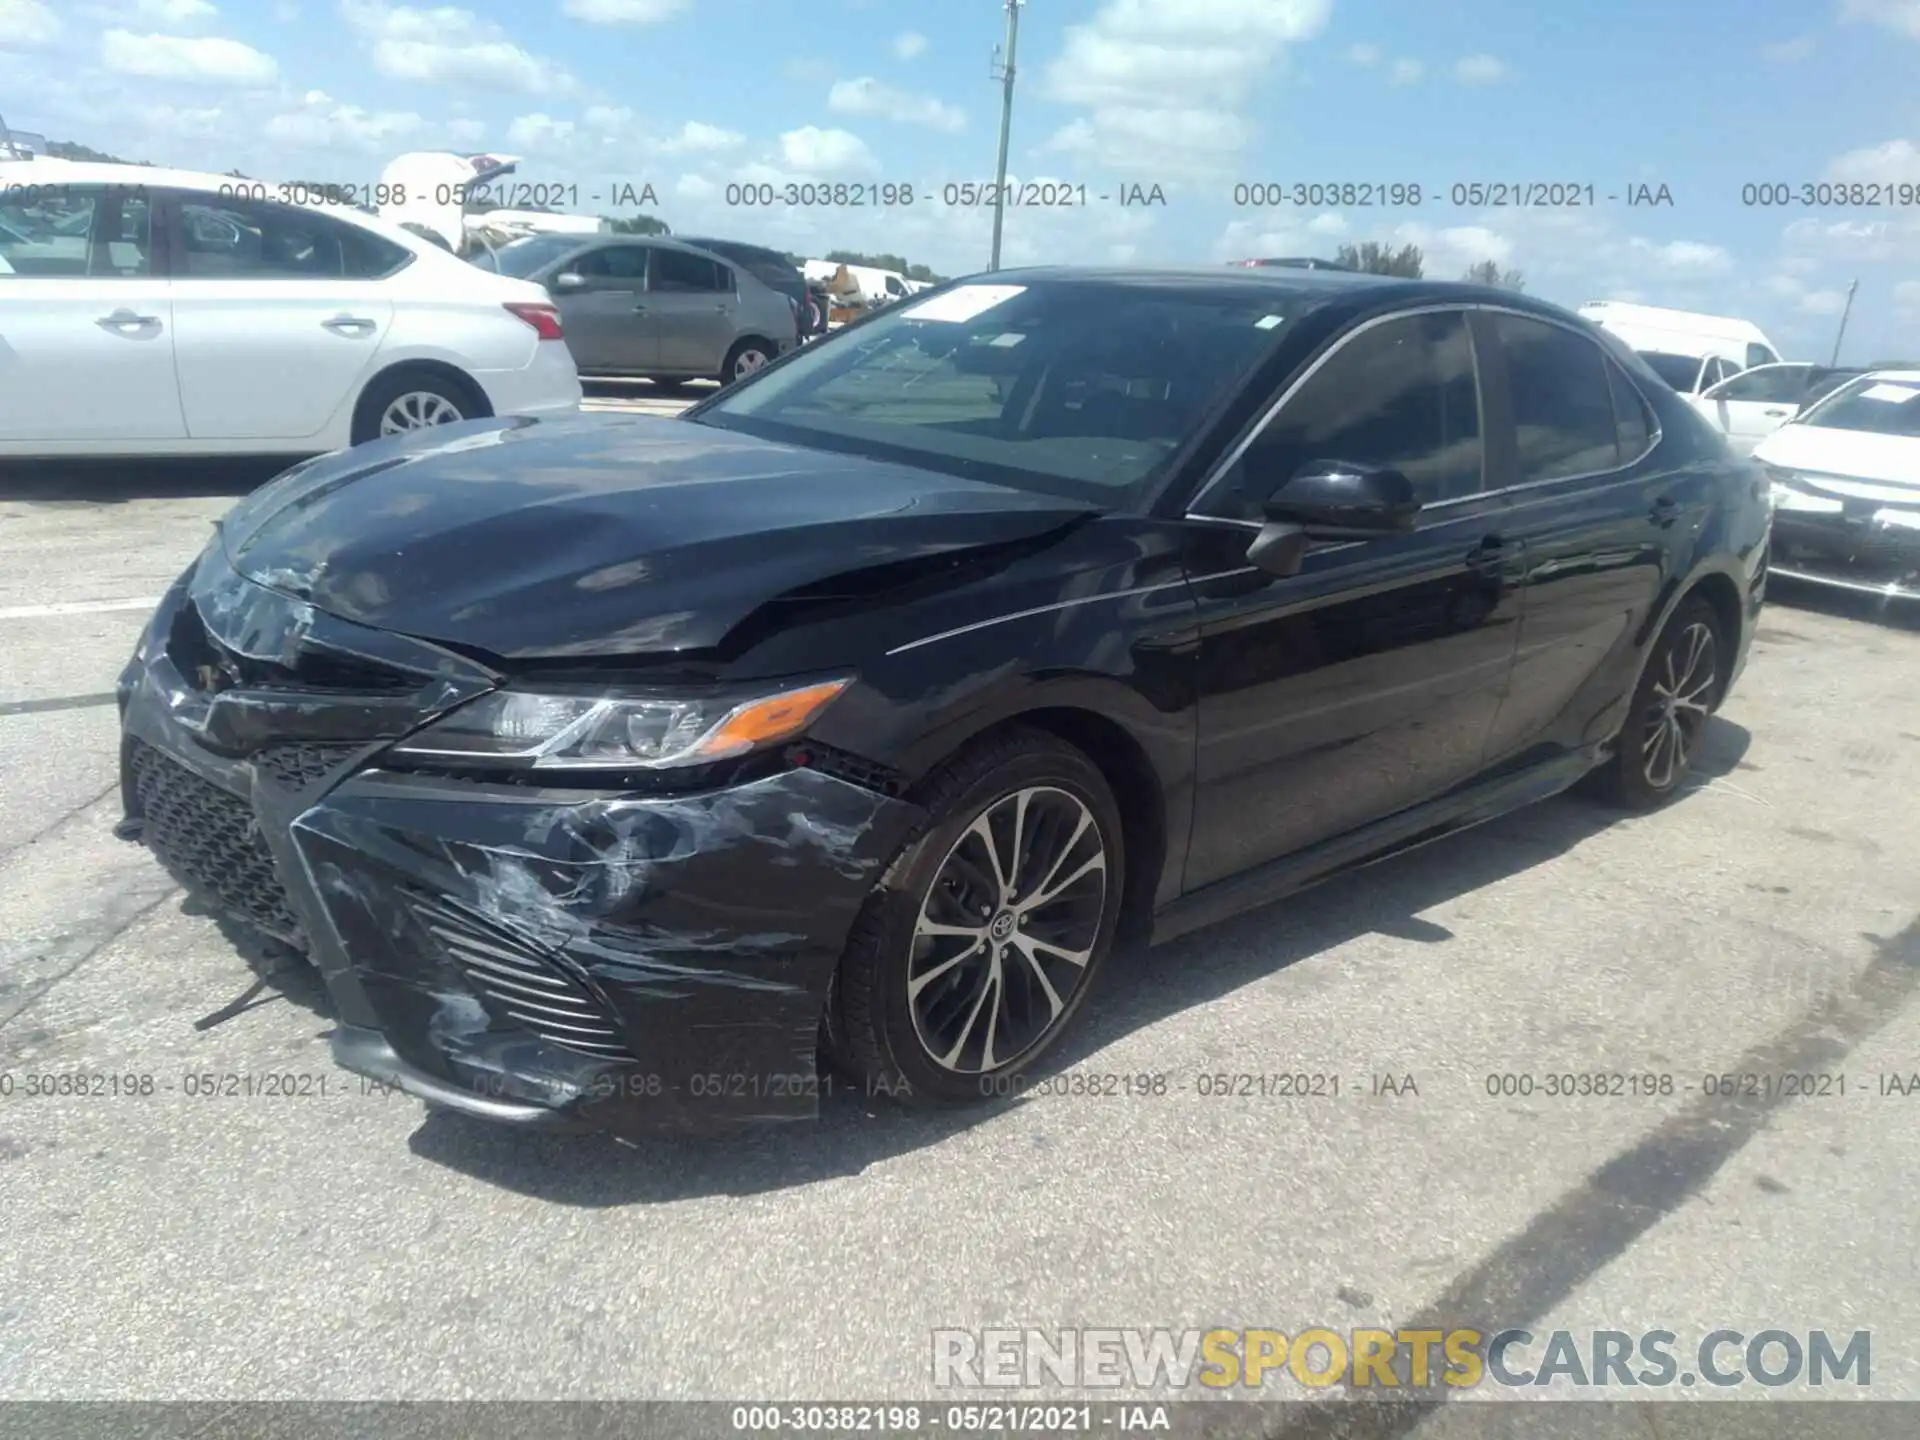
(1773, 384)
(1402, 394)
(74, 231)
(233, 238)
(1563, 411)
(614, 267)
(1760, 355)
(1081, 388)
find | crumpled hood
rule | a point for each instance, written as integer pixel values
(1882, 460)
(599, 535)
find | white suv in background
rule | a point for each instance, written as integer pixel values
(161, 312)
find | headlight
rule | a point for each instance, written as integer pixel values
(1788, 493)
(522, 729)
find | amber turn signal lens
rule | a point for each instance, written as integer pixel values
(765, 721)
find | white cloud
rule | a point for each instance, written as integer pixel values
(323, 123)
(1894, 163)
(623, 12)
(1406, 72)
(1901, 15)
(695, 188)
(540, 134)
(286, 11)
(173, 57)
(834, 154)
(449, 46)
(909, 44)
(696, 138)
(1787, 52)
(807, 70)
(867, 96)
(27, 25)
(175, 12)
(466, 133)
(1906, 297)
(1823, 302)
(1189, 64)
(1364, 54)
(1684, 257)
(1480, 70)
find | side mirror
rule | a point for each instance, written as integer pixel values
(1332, 500)
(569, 280)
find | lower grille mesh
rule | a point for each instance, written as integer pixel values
(519, 984)
(210, 840)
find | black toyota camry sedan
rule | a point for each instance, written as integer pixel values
(630, 772)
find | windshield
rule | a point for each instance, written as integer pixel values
(1079, 389)
(1877, 407)
(1679, 371)
(520, 258)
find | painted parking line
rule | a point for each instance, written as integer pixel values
(75, 607)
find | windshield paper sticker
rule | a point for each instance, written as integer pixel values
(965, 302)
(1896, 393)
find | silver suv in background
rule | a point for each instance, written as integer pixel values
(650, 306)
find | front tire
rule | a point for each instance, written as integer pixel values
(1678, 692)
(973, 955)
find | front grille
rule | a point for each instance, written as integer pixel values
(519, 984)
(303, 764)
(211, 841)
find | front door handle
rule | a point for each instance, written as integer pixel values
(1776, 412)
(125, 319)
(1665, 511)
(639, 309)
(347, 325)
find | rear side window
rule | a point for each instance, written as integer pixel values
(1633, 422)
(1760, 355)
(74, 231)
(234, 238)
(1562, 400)
(680, 270)
(1773, 384)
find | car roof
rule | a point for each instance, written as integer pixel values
(155, 177)
(1358, 289)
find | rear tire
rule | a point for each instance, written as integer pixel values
(748, 357)
(955, 981)
(1678, 692)
(409, 400)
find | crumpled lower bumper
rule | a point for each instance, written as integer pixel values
(637, 964)
(1861, 553)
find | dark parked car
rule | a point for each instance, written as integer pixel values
(610, 768)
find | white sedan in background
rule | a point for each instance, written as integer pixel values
(1846, 488)
(162, 312)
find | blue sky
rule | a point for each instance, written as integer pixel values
(1191, 95)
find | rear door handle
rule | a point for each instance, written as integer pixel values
(639, 309)
(347, 325)
(125, 319)
(1665, 511)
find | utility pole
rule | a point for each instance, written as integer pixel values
(1843, 323)
(1005, 77)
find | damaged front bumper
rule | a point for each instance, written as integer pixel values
(1867, 547)
(545, 957)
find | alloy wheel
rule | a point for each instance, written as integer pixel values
(1007, 930)
(416, 410)
(749, 362)
(1678, 707)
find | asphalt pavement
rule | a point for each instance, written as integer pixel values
(324, 1243)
